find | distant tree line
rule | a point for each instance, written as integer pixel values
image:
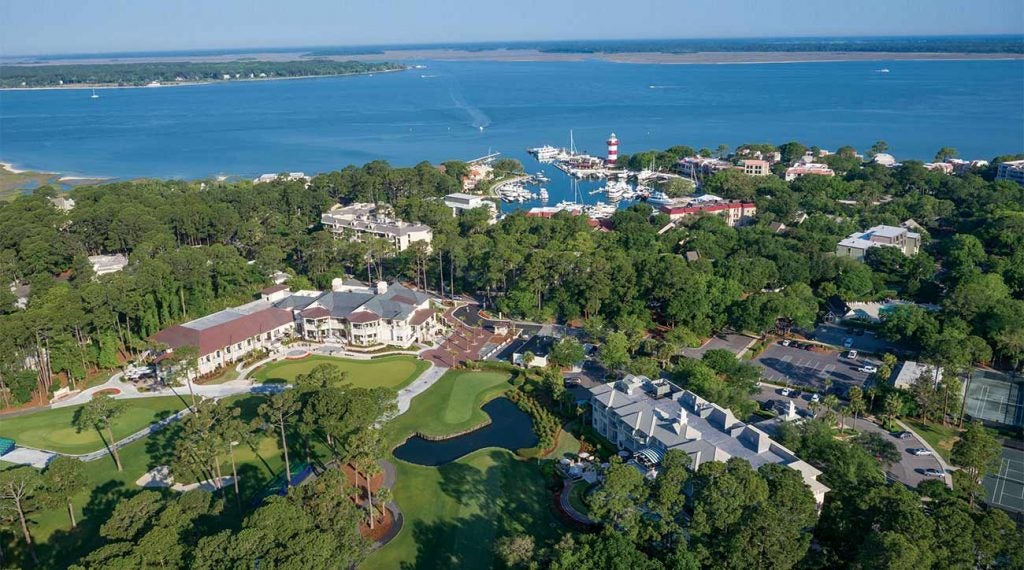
(177, 72)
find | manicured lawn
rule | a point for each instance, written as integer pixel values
(566, 446)
(394, 372)
(454, 514)
(105, 486)
(577, 496)
(53, 430)
(451, 405)
(940, 437)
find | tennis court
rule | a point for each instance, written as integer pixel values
(1006, 486)
(996, 397)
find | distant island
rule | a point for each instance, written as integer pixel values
(175, 73)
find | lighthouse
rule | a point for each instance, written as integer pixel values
(613, 149)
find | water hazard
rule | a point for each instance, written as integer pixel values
(510, 428)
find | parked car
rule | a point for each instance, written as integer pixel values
(868, 368)
(785, 392)
(784, 342)
(904, 435)
(920, 452)
(852, 355)
(572, 382)
(808, 346)
(815, 397)
(848, 342)
(932, 472)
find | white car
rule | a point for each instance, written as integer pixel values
(815, 397)
(868, 368)
(852, 355)
(785, 392)
(920, 452)
(934, 473)
(785, 342)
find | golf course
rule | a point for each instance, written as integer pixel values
(395, 372)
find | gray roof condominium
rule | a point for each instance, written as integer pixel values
(637, 413)
(360, 220)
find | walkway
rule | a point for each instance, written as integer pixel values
(420, 385)
(567, 508)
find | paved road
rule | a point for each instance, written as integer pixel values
(799, 367)
(910, 468)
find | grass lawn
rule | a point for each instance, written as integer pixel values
(577, 494)
(451, 405)
(394, 372)
(59, 547)
(566, 446)
(940, 437)
(454, 514)
(52, 429)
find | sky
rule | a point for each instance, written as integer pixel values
(96, 26)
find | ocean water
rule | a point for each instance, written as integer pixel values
(463, 110)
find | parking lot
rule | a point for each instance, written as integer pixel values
(787, 365)
(863, 340)
(910, 469)
(734, 343)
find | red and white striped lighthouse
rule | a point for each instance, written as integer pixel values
(613, 149)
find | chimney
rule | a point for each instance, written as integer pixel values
(681, 422)
(639, 416)
(382, 287)
(650, 432)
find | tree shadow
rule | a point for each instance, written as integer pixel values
(66, 546)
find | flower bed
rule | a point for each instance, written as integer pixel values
(106, 392)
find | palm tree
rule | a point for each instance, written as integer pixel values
(383, 496)
(856, 404)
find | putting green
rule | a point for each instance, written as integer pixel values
(451, 405)
(393, 372)
(53, 429)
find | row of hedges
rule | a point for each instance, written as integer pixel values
(545, 424)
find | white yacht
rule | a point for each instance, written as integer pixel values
(94, 95)
(659, 198)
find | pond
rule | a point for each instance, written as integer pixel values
(510, 428)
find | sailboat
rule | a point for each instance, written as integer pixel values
(94, 95)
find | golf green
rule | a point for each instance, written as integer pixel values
(393, 372)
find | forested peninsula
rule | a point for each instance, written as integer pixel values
(173, 73)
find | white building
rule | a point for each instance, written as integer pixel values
(857, 245)
(63, 204)
(649, 417)
(228, 336)
(805, 168)
(362, 316)
(754, 167)
(1012, 171)
(909, 371)
(460, 201)
(884, 159)
(291, 176)
(694, 167)
(104, 264)
(360, 220)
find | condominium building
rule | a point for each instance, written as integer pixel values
(735, 212)
(805, 168)
(698, 167)
(649, 417)
(1012, 171)
(359, 220)
(460, 202)
(857, 244)
(756, 167)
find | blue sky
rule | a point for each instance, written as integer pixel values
(83, 26)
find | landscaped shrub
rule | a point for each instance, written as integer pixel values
(545, 424)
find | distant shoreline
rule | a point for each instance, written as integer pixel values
(192, 83)
(534, 55)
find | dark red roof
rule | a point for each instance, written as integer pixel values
(217, 337)
(420, 316)
(363, 317)
(274, 289)
(315, 313)
(671, 210)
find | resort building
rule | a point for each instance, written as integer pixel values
(1012, 171)
(961, 166)
(756, 167)
(230, 335)
(362, 316)
(290, 176)
(735, 212)
(104, 264)
(358, 221)
(857, 245)
(805, 168)
(943, 167)
(694, 167)
(539, 347)
(460, 202)
(649, 417)
(909, 371)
